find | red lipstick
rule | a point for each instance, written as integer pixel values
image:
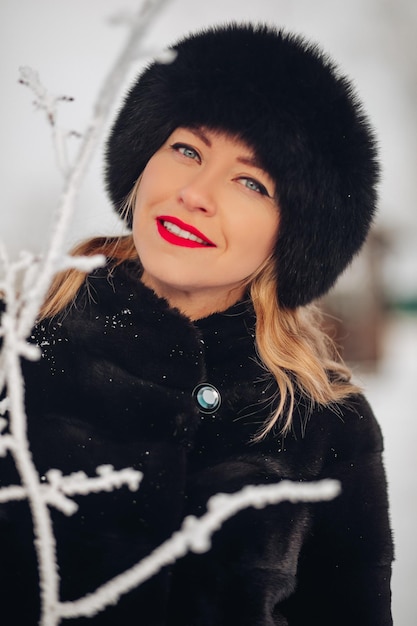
(176, 232)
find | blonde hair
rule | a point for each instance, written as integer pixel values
(291, 344)
(65, 285)
(294, 348)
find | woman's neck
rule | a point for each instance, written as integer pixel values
(195, 304)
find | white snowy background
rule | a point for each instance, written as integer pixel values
(71, 45)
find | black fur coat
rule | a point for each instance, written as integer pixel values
(115, 386)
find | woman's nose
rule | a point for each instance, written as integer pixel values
(199, 194)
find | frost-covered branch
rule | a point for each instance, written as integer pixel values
(110, 89)
(43, 99)
(24, 287)
(195, 535)
(57, 488)
(48, 102)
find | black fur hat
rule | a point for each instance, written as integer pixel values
(285, 99)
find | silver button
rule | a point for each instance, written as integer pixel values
(208, 398)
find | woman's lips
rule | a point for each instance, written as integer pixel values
(179, 233)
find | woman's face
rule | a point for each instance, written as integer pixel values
(204, 220)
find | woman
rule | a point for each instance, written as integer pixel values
(247, 172)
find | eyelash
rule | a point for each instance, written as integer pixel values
(261, 189)
(183, 147)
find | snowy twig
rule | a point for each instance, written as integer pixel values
(44, 100)
(48, 102)
(57, 488)
(104, 101)
(195, 535)
(22, 308)
(6, 441)
(42, 524)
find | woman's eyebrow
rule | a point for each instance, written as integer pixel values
(201, 135)
(250, 160)
(245, 159)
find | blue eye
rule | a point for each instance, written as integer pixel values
(253, 185)
(186, 151)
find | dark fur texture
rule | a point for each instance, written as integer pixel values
(115, 385)
(286, 100)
